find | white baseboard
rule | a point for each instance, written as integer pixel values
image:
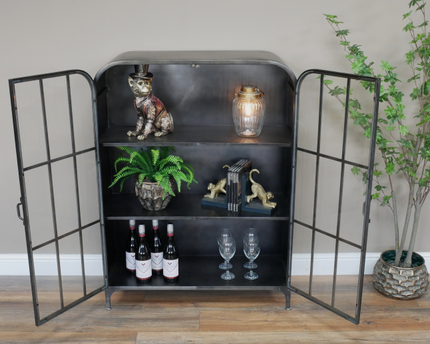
(45, 264)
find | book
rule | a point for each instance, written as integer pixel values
(232, 184)
(243, 170)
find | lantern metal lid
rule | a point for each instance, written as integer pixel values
(250, 92)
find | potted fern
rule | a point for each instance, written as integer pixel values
(403, 140)
(157, 174)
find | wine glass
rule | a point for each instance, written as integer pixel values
(251, 250)
(227, 249)
(224, 234)
(251, 235)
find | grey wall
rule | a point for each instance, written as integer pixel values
(51, 35)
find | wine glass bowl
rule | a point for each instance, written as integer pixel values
(227, 249)
(251, 250)
(250, 236)
(224, 235)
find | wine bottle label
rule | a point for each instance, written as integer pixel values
(143, 269)
(130, 260)
(157, 261)
(171, 268)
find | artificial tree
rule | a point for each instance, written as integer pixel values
(404, 148)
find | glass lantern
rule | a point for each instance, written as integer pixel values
(248, 111)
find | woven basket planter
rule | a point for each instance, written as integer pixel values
(397, 282)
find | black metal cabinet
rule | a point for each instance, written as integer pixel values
(198, 89)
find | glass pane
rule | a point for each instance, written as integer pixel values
(357, 146)
(322, 282)
(328, 195)
(333, 119)
(47, 280)
(57, 114)
(352, 207)
(301, 264)
(308, 117)
(65, 196)
(83, 121)
(347, 278)
(305, 188)
(71, 268)
(93, 262)
(88, 187)
(39, 205)
(31, 127)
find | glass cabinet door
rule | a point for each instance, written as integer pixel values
(55, 120)
(333, 165)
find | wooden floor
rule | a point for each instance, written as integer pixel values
(210, 317)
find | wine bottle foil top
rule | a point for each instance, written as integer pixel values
(142, 229)
(155, 223)
(170, 229)
(132, 223)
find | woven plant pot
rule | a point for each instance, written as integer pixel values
(150, 195)
(397, 282)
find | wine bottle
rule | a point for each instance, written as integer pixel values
(143, 258)
(157, 250)
(170, 257)
(130, 248)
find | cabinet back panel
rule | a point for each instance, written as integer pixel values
(198, 96)
(198, 238)
(208, 162)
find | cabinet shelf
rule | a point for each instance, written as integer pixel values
(202, 272)
(184, 206)
(195, 135)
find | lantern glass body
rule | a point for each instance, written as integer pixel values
(248, 116)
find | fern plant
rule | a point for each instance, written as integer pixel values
(154, 165)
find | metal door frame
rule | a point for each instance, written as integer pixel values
(343, 161)
(23, 203)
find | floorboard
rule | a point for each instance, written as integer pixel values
(209, 317)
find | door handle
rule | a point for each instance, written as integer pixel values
(18, 211)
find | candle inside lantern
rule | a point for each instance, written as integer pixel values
(248, 111)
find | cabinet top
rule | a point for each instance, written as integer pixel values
(197, 57)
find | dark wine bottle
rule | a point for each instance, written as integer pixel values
(130, 248)
(143, 258)
(170, 258)
(157, 250)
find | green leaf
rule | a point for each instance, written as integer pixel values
(377, 173)
(420, 7)
(337, 90)
(408, 27)
(413, 3)
(403, 129)
(406, 143)
(426, 87)
(389, 167)
(355, 170)
(379, 187)
(386, 200)
(365, 177)
(386, 66)
(332, 19)
(342, 33)
(354, 103)
(407, 15)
